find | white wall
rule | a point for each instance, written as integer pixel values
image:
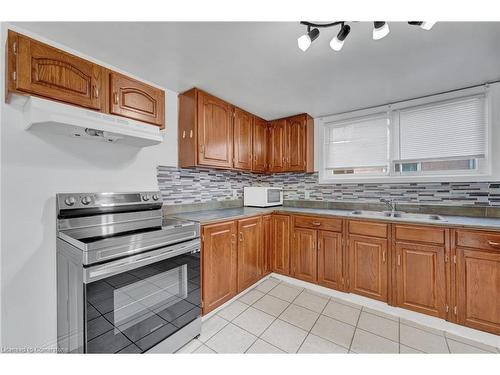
(36, 166)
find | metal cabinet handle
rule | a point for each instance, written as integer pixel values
(494, 244)
(191, 133)
(95, 90)
(115, 97)
(383, 256)
(183, 134)
(241, 236)
(399, 259)
(316, 223)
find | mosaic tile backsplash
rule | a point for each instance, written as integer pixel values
(181, 186)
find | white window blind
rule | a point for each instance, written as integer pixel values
(443, 131)
(357, 143)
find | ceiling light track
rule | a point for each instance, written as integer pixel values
(380, 30)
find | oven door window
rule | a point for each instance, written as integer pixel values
(135, 310)
(274, 196)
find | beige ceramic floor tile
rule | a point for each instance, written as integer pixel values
(233, 310)
(334, 330)
(231, 339)
(262, 347)
(311, 301)
(285, 336)
(344, 313)
(271, 305)
(299, 316)
(314, 344)
(285, 292)
(251, 297)
(422, 340)
(254, 321)
(204, 350)
(366, 342)
(457, 347)
(379, 326)
(267, 285)
(211, 326)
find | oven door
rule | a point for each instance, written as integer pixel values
(134, 303)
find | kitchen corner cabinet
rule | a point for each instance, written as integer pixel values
(214, 133)
(35, 68)
(421, 253)
(280, 244)
(250, 252)
(136, 100)
(477, 287)
(219, 264)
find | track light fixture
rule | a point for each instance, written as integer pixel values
(426, 25)
(380, 30)
(305, 40)
(337, 42)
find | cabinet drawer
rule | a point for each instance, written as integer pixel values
(322, 223)
(479, 240)
(366, 228)
(420, 234)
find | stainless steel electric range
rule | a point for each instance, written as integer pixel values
(128, 281)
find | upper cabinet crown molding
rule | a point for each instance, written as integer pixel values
(217, 134)
(36, 68)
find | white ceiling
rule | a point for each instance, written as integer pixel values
(259, 67)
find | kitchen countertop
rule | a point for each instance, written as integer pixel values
(218, 215)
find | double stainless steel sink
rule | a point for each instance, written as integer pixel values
(398, 215)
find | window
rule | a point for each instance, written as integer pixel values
(358, 146)
(445, 137)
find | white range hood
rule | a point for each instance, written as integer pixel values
(82, 123)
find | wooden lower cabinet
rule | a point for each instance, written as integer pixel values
(421, 278)
(280, 244)
(304, 254)
(267, 240)
(250, 252)
(368, 267)
(330, 260)
(478, 288)
(219, 264)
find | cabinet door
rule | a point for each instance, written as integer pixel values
(250, 252)
(219, 264)
(277, 146)
(368, 267)
(54, 74)
(478, 284)
(304, 254)
(267, 238)
(215, 132)
(136, 100)
(330, 260)
(243, 139)
(281, 244)
(421, 278)
(260, 145)
(296, 152)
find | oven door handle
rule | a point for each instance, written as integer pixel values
(102, 271)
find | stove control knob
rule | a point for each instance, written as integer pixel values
(70, 201)
(156, 197)
(145, 198)
(86, 200)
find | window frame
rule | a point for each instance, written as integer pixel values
(487, 169)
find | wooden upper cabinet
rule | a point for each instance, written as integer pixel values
(330, 260)
(281, 244)
(41, 70)
(368, 270)
(304, 254)
(136, 100)
(277, 146)
(219, 264)
(215, 132)
(421, 278)
(296, 153)
(260, 145)
(478, 280)
(243, 139)
(250, 252)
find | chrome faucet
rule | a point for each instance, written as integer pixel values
(390, 203)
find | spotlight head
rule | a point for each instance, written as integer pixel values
(380, 29)
(337, 42)
(426, 25)
(305, 40)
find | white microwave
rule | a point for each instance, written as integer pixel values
(262, 196)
